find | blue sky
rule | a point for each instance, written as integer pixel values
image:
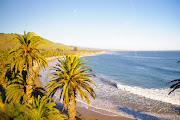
(111, 24)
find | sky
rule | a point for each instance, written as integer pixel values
(106, 24)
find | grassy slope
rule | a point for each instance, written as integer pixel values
(51, 45)
(6, 42)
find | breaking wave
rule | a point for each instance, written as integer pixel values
(155, 94)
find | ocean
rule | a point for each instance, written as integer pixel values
(133, 83)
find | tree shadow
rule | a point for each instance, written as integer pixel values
(65, 112)
(2, 93)
(138, 114)
(176, 109)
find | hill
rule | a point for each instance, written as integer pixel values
(50, 48)
(6, 42)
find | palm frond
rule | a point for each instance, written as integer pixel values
(178, 80)
(44, 109)
(175, 85)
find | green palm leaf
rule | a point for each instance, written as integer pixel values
(44, 109)
(71, 77)
(16, 91)
(175, 85)
(26, 57)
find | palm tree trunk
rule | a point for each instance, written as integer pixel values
(29, 88)
(72, 108)
(29, 85)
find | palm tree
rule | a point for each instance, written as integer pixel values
(26, 57)
(43, 109)
(4, 65)
(16, 92)
(175, 85)
(71, 77)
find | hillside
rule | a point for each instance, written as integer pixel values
(50, 48)
(6, 42)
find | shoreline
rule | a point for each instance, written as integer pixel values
(89, 113)
(94, 115)
(83, 113)
(37, 81)
(81, 55)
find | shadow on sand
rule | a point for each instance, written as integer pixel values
(65, 112)
(138, 114)
(176, 109)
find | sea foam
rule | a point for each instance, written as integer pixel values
(155, 94)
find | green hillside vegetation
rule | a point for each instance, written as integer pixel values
(49, 48)
(6, 41)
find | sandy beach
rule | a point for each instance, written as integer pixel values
(92, 115)
(84, 113)
(84, 54)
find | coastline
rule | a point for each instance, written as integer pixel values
(89, 113)
(83, 113)
(94, 115)
(81, 55)
(37, 81)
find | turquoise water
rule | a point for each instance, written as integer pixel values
(133, 83)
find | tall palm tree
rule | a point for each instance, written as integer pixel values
(71, 77)
(27, 56)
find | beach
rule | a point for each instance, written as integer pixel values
(92, 115)
(123, 92)
(89, 113)
(86, 113)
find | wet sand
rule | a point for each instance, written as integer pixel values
(92, 115)
(84, 113)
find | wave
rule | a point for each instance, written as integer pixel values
(155, 94)
(152, 93)
(111, 95)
